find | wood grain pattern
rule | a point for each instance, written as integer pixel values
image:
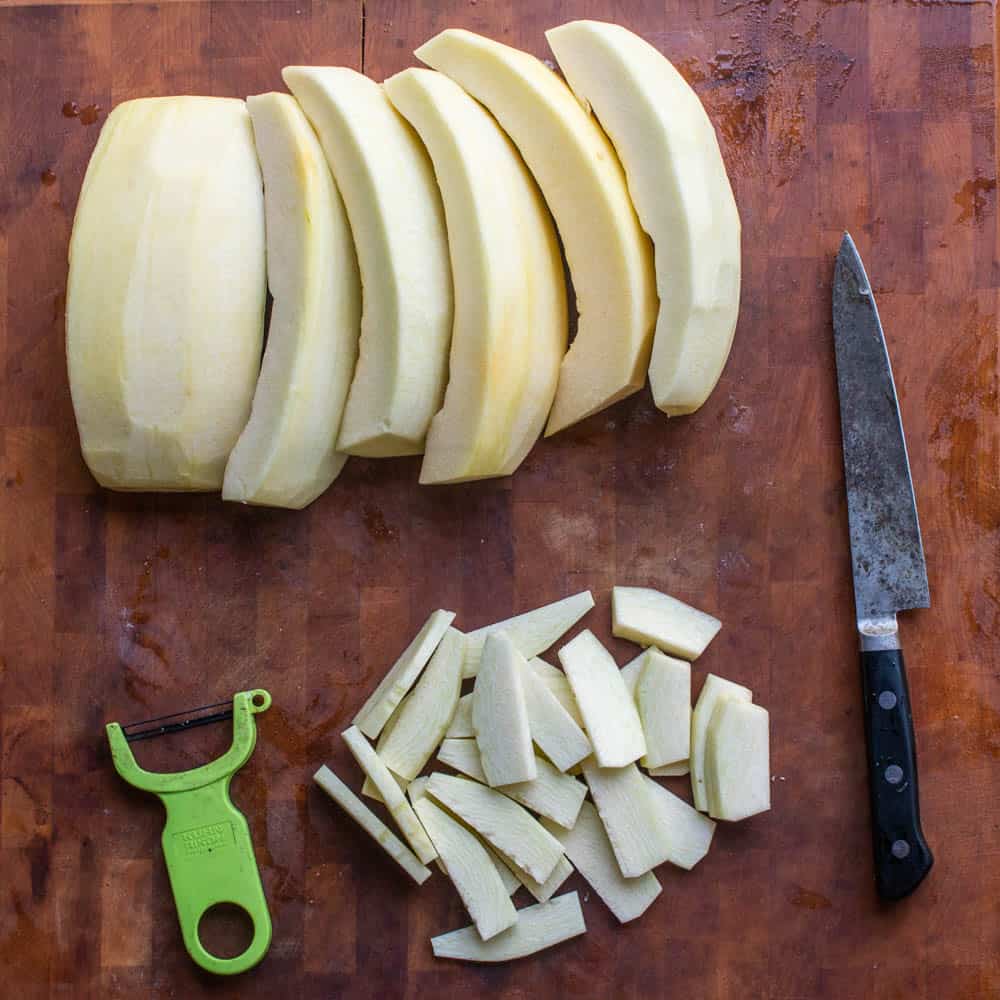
(879, 117)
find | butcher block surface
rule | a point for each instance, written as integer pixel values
(874, 117)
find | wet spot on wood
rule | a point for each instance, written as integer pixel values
(376, 526)
(973, 198)
(809, 900)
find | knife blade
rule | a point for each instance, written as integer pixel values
(890, 573)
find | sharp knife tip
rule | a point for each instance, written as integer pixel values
(850, 268)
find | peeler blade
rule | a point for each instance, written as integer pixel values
(188, 719)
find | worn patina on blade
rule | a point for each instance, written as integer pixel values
(886, 549)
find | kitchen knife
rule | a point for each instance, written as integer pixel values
(887, 555)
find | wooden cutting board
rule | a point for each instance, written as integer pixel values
(877, 117)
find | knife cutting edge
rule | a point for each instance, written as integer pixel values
(890, 575)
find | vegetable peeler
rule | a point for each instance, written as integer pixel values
(206, 839)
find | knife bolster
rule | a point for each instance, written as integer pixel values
(878, 633)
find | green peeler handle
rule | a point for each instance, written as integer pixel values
(210, 860)
(206, 839)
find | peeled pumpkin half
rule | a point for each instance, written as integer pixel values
(678, 183)
(165, 302)
(510, 324)
(609, 256)
(387, 182)
(286, 455)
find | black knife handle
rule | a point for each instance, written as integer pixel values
(902, 857)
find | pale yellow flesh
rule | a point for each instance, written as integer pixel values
(392, 200)
(687, 833)
(630, 675)
(588, 847)
(165, 299)
(371, 824)
(631, 672)
(542, 891)
(505, 824)
(511, 882)
(382, 702)
(561, 689)
(286, 455)
(552, 794)
(737, 760)
(552, 728)
(538, 927)
(391, 794)
(370, 790)
(470, 868)
(510, 325)
(608, 710)
(545, 670)
(511, 877)
(500, 715)
(663, 696)
(461, 721)
(678, 770)
(714, 690)
(678, 184)
(652, 618)
(610, 257)
(532, 632)
(426, 712)
(629, 815)
(417, 789)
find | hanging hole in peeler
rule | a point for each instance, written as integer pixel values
(225, 930)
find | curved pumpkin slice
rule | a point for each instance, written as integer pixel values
(286, 455)
(510, 307)
(678, 183)
(165, 304)
(392, 201)
(538, 927)
(610, 258)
